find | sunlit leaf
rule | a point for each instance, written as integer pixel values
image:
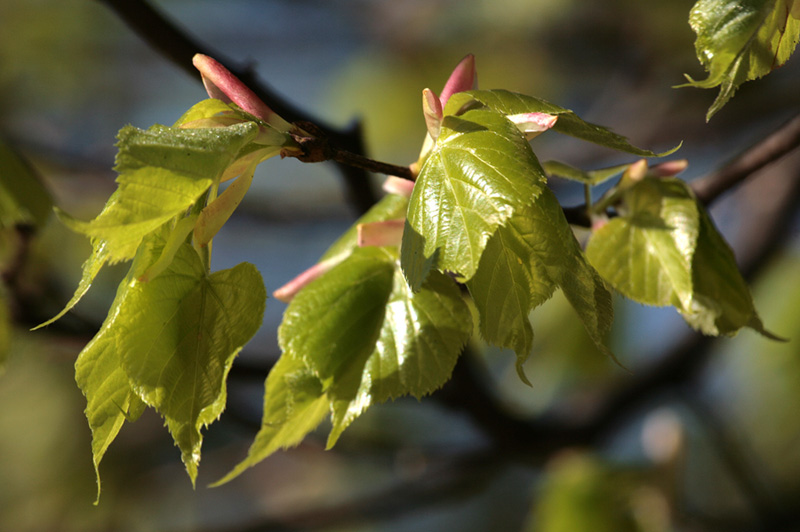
(664, 250)
(646, 254)
(741, 41)
(420, 340)
(179, 334)
(522, 265)
(591, 177)
(294, 404)
(479, 173)
(512, 103)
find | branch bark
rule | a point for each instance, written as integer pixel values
(179, 47)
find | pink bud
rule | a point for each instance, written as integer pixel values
(399, 186)
(386, 233)
(222, 85)
(432, 109)
(533, 124)
(463, 78)
(287, 292)
(669, 168)
(637, 171)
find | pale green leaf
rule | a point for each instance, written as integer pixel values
(23, 197)
(738, 41)
(591, 177)
(91, 267)
(338, 316)
(199, 153)
(100, 376)
(179, 334)
(294, 404)
(511, 103)
(420, 340)
(647, 253)
(203, 109)
(664, 250)
(581, 494)
(479, 173)
(522, 265)
(722, 302)
(145, 200)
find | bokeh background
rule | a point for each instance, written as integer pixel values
(719, 451)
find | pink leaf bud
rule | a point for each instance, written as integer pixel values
(287, 292)
(533, 124)
(669, 168)
(386, 233)
(463, 78)
(221, 84)
(432, 109)
(399, 186)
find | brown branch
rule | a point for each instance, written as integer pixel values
(177, 46)
(779, 143)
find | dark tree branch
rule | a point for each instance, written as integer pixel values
(779, 143)
(176, 45)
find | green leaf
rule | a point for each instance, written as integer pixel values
(91, 267)
(420, 340)
(738, 41)
(511, 103)
(294, 404)
(204, 109)
(179, 334)
(522, 265)
(23, 197)
(354, 336)
(722, 301)
(646, 254)
(664, 250)
(592, 177)
(163, 172)
(479, 173)
(338, 316)
(110, 400)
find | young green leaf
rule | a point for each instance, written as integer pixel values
(592, 177)
(355, 336)
(179, 334)
(163, 171)
(420, 340)
(741, 41)
(512, 103)
(664, 250)
(479, 173)
(646, 254)
(522, 265)
(294, 404)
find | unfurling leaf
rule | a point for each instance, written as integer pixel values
(568, 123)
(479, 173)
(741, 41)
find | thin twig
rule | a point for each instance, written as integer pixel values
(776, 145)
(179, 47)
